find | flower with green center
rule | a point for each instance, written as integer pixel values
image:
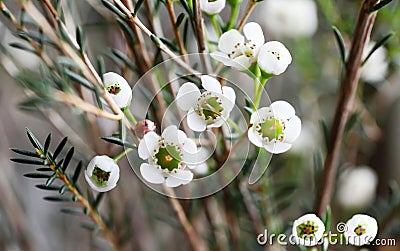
(102, 173)
(238, 51)
(308, 230)
(212, 7)
(118, 88)
(169, 156)
(275, 128)
(361, 230)
(208, 109)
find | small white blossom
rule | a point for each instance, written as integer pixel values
(168, 156)
(357, 187)
(275, 127)
(290, 18)
(274, 58)
(118, 88)
(308, 230)
(361, 230)
(208, 109)
(236, 50)
(376, 67)
(212, 7)
(102, 173)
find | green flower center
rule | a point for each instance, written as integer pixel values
(272, 129)
(211, 108)
(360, 230)
(247, 49)
(211, 1)
(100, 177)
(114, 89)
(168, 157)
(307, 230)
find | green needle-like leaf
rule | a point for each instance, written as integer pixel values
(118, 141)
(25, 152)
(48, 188)
(37, 175)
(77, 172)
(47, 144)
(380, 5)
(72, 211)
(35, 142)
(137, 6)
(68, 158)
(179, 20)
(57, 198)
(113, 8)
(340, 43)
(378, 44)
(60, 147)
(79, 79)
(28, 161)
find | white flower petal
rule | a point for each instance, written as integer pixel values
(229, 94)
(282, 109)
(195, 122)
(254, 137)
(212, 8)
(277, 147)
(173, 136)
(151, 173)
(107, 164)
(148, 144)
(293, 129)
(124, 96)
(190, 153)
(229, 39)
(221, 57)
(274, 58)
(217, 123)
(181, 177)
(259, 115)
(254, 33)
(242, 62)
(211, 84)
(187, 96)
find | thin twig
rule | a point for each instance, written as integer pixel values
(201, 40)
(196, 241)
(348, 89)
(172, 17)
(247, 12)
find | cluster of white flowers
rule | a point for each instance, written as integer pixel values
(241, 52)
(309, 230)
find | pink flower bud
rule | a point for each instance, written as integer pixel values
(143, 127)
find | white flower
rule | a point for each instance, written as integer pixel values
(168, 156)
(308, 230)
(361, 229)
(118, 88)
(208, 109)
(357, 187)
(274, 127)
(238, 52)
(290, 18)
(376, 67)
(212, 7)
(102, 173)
(274, 58)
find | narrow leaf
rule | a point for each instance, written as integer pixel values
(137, 6)
(118, 141)
(57, 198)
(127, 30)
(25, 152)
(77, 172)
(21, 47)
(68, 158)
(169, 43)
(340, 42)
(48, 188)
(47, 143)
(325, 132)
(60, 147)
(79, 79)
(44, 169)
(50, 180)
(79, 38)
(113, 8)
(352, 121)
(98, 200)
(179, 20)
(63, 189)
(89, 226)
(72, 211)
(35, 142)
(120, 55)
(380, 5)
(378, 44)
(187, 8)
(27, 161)
(37, 175)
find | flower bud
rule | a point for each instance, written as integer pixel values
(143, 127)
(102, 173)
(118, 88)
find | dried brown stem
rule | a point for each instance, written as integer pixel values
(201, 40)
(247, 12)
(345, 103)
(172, 17)
(196, 241)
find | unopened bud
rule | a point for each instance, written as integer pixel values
(143, 127)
